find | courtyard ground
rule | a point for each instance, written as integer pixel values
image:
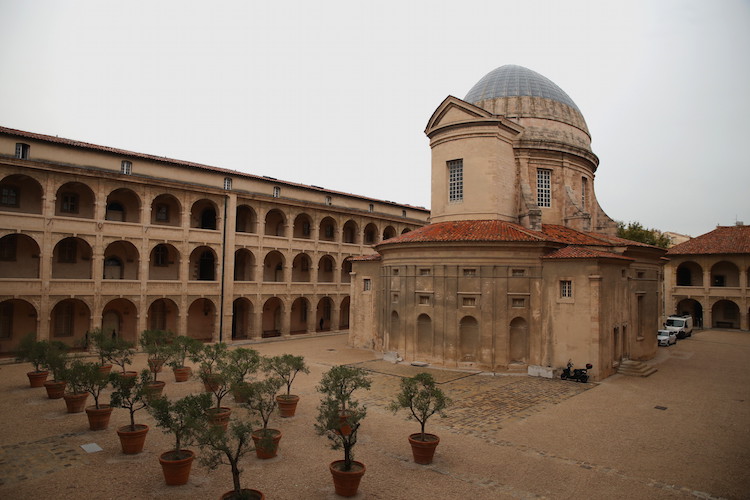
(683, 432)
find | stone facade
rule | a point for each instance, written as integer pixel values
(97, 237)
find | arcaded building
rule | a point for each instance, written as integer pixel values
(96, 237)
(520, 269)
(708, 277)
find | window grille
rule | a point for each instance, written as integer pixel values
(456, 180)
(544, 187)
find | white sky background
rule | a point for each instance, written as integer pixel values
(337, 94)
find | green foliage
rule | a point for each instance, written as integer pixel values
(634, 231)
(103, 343)
(242, 362)
(156, 343)
(422, 397)
(339, 414)
(117, 350)
(214, 369)
(286, 367)
(33, 351)
(130, 393)
(57, 360)
(226, 447)
(86, 377)
(260, 396)
(182, 348)
(185, 418)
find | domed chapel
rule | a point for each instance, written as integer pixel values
(520, 269)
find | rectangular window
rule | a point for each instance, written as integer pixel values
(425, 272)
(126, 167)
(566, 289)
(518, 302)
(162, 213)
(69, 203)
(276, 191)
(9, 196)
(544, 187)
(395, 272)
(403, 213)
(22, 151)
(367, 284)
(67, 251)
(64, 320)
(371, 208)
(395, 297)
(470, 272)
(329, 231)
(518, 272)
(469, 301)
(584, 186)
(329, 201)
(456, 181)
(8, 248)
(161, 256)
(6, 320)
(305, 228)
(227, 184)
(424, 300)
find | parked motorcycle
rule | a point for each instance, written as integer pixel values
(579, 374)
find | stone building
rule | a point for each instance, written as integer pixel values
(520, 268)
(708, 277)
(92, 236)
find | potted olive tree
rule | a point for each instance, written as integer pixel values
(260, 397)
(56, 363)
(241, 363)
(228, 448)
(339, 418)
(131, 393)
(35, 352)
(216, 376)
(121, 353)
(286, 367)
(423, 398)
(103, 345)
(156, 345)
(88, 379)
(180, 350)
(185, 419)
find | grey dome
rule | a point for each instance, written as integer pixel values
(513, 81)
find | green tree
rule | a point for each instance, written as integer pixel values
(635, 231)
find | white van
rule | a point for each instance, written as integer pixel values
(681, 325)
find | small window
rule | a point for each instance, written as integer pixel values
(425, 272)
(276, 191)
(566, 289)
(469, 301)
(67, 251)
(162, 213)
(9, 196)
(640, 275)
(403, 213)
(227, 183)
(329, 231)
(456, 181)
(470, 272)
(305, 228)
(371, 208)
(126, 167)
(424, 300)
(161, 256)
(395, 272)
(329, 201)
(584, 188)
(69, 203)
(518, 272)
(22, 151)
(8, 247)
(367, 284)
(305, 265)
(516, 302)
(544, 187)
(395, 297)
(719, 280)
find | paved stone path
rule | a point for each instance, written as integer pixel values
(27, 460)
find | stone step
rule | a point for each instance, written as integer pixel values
(635, 368)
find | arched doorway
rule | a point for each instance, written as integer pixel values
(693, 308)
(272, 317)
(201, 319)
(242, 319)
(725, 314)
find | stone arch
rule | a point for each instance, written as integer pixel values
(424, 335)
(396, 335)
(299, 316)
(242, 319)
(164, 262)
(126, 256)
(203, 264)
(201, 319)
(273, 310)
(324, 314)
(327, 230)
(519, 341)
(126, 314)
(19, 256)
(247, 220)
(344, 313)
(406, 230)
(350, 232)
(301, 268)
(21, 193)
(468, 339)
(725, 273)
(273, 267)
(244, 265)
(725, 314)
(275, 223)
(204, 215)
(371, 234)
(162, 315)
(166, 210)
(70, 319)
(71, 259)
(346, 269)
(75, 199)
(689, 274)
(302, 227)
(693, 308)
(18, 318)
(389, 232)
(326, 268)
(123, 205)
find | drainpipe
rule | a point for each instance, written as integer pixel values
(223, 270)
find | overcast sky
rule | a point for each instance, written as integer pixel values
(338, 93)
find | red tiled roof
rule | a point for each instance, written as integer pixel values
(577, 252)
(573, 237)
(469, 230)
(366, 258)
(722, 240)
(183, 163)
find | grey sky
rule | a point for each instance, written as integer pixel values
(337, 94)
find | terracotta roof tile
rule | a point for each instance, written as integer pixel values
(722, 240)
(469, 230)
(366, 258)
(577, 252)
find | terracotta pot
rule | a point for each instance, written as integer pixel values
(287, 405)
(182, 374)
(37, 379)
(55, 388)
(266, 442)
(105, 369)
(155, 389)
(176, 466)
(128, 374)
(423, 451)
(131, 441)
(75, 402)
(219, 416)
(346, 483)
(155, 365)
(98, 417)
(249, 495)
